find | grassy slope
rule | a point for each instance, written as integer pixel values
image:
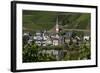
(38, 20)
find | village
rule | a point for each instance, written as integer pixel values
(44, 38)
(53, 39)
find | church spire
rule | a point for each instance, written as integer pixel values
(57, 25)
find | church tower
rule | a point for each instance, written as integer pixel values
(57, 28)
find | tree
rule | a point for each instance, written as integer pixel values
(30, 53)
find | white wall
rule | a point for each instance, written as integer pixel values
(5, 36)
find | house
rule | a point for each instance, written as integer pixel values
(86, 36)
(39, 39)
(42, 39)
(55, 41)
(26, 34)
(48, 41)
(67, 36)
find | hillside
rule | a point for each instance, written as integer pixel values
(43, 20)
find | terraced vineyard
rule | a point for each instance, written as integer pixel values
(40, 20)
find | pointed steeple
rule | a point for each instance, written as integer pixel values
(57, 25)
(57, 28)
